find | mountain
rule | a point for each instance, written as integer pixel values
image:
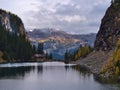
(61, 36)
(107, 40)
(55, 41)
(12, 23)
(104, 61)
(110, 29)
(87, 38)
(14, 43)
(58, 41)
(46, 33)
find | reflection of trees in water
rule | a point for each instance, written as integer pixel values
(82, 71)
(39, 69)
(67, 68)
(18, 72)
(14, 71)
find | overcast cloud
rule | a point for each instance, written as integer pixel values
(73, 16)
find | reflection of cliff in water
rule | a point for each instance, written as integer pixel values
(19, 72)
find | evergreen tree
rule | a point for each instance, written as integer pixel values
(50, 56)
(82, 52)
(40, 48)
(67, 57)
(14, 47)
(46, 55)
(116, 1)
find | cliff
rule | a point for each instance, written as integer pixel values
(108, 38)
(110, 28)
(14, 43)
(12, 23)
(105, 59)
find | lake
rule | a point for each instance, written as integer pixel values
(49, 76)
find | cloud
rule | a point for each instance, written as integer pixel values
(76, 16)
(73, 19)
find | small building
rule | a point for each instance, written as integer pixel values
(39, 57)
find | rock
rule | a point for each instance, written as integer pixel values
(12, 23)
(109, 30)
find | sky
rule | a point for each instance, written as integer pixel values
(72, 16)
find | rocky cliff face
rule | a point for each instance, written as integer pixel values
(12, 23)
(110, 29)
(14, 43)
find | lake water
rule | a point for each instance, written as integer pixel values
(48, 76)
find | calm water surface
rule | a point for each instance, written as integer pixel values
(48, 76)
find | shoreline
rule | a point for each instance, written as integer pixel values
(81, 64)
(94, 62)
(30, 61)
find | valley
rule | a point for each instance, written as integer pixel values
(34, 56)
(58, 42)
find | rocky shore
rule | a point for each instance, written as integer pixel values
(94, 60)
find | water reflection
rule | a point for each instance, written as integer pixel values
(18, 72)
(49, 77)
(22, 71)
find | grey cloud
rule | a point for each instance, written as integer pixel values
(56, 14)
(67, 10)
(78, 16)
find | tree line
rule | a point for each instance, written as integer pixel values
(82, 52)
(40, 50)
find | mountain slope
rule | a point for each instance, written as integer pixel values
(12, 23)
(110, 29)
(14, 42)
(87, 38)
(61, 36)
(111, 69)
(46, 33)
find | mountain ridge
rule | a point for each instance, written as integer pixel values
(40, 34)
